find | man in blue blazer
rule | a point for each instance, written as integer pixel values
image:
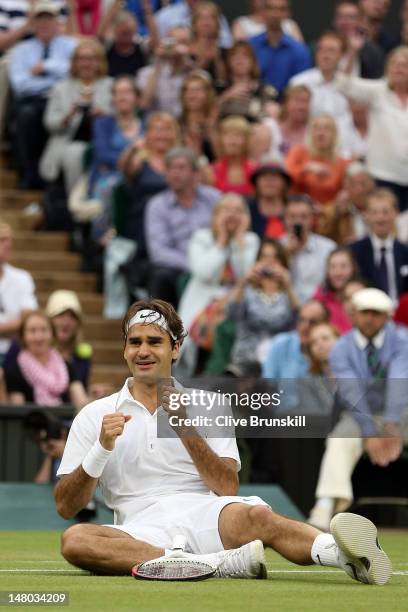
(382, 259)
(370, 364)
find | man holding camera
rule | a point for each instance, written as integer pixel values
(161, 83)
(308, 251)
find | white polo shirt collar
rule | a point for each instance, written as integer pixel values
(362, 342)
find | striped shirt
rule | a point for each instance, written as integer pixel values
(13, 13)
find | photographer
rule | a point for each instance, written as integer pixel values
(307, 251)
(263, 304)
(50, 433)
(161, 83)
(71, 108)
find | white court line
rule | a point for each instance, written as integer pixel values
(83, 573)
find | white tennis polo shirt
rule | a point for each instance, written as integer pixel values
(142, 466)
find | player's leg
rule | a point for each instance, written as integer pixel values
(242, 523)
(352, 544)
(105, 550)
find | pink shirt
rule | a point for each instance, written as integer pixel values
(338, 316)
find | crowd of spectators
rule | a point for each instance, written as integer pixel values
(255, 179)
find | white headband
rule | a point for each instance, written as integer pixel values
(148, 317)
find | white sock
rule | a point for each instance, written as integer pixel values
(327, 503)
(325, 550)
(167, 552)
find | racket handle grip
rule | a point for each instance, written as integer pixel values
(179, 542)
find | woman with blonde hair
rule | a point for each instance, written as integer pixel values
(218, 258)
(387, 101)
(274, 137)
(71, 108)
(315, 167)
(196, 121)
(232, 171)
(205, 52)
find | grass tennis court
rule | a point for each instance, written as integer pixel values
(30, 561)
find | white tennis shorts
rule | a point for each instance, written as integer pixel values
(194, 515)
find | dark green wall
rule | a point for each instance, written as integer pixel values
(314, 16)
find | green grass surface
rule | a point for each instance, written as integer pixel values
(289, 587)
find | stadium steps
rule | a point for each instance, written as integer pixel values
(47, 257)
(40, 262)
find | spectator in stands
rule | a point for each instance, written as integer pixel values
(369, 62)
(374, 13)
(404, 24)
(388, 120)
(181, 14)
(65, 312)
(279, 56)
(232, 170)
(242, 93)
(73, 104)
(125, 54)
(278, 136)
(350, 288)
(218, 258)
(85, 16)
(196, 121)
(263, 304)
(204, 50)
(326, 98)
(161, 82)
(359, 136)
(39, 373)
(316, 168)
(112, 134)
(307, 251)
(16, 21)
(267, 208)
(17, 292)
(287, 355)
(139, 8)
(344, 220)
(370, 364)
(171, 219)
(35, 66)
(341, 269)
(322, 338)
(143, 165)
(382, 260)
(401, 312)
(253, 24)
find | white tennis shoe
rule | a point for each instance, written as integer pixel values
(248, 561)
(360, 554)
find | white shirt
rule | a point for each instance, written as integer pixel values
(142, 466)
(308, 266)
(387, 149)
(326, 98)
(388, 245)
(17, 293)
(362, 342)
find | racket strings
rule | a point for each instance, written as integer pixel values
(174, 569)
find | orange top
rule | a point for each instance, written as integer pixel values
(322, 189)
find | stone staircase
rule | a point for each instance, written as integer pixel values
(47, 257)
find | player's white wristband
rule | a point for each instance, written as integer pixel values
(96, 459)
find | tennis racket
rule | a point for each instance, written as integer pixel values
(179, 566)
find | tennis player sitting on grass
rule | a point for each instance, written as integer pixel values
(163, 487)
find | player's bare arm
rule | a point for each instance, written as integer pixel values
(218, 473)
(74, 491)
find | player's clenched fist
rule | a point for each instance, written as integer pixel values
(112, 427)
